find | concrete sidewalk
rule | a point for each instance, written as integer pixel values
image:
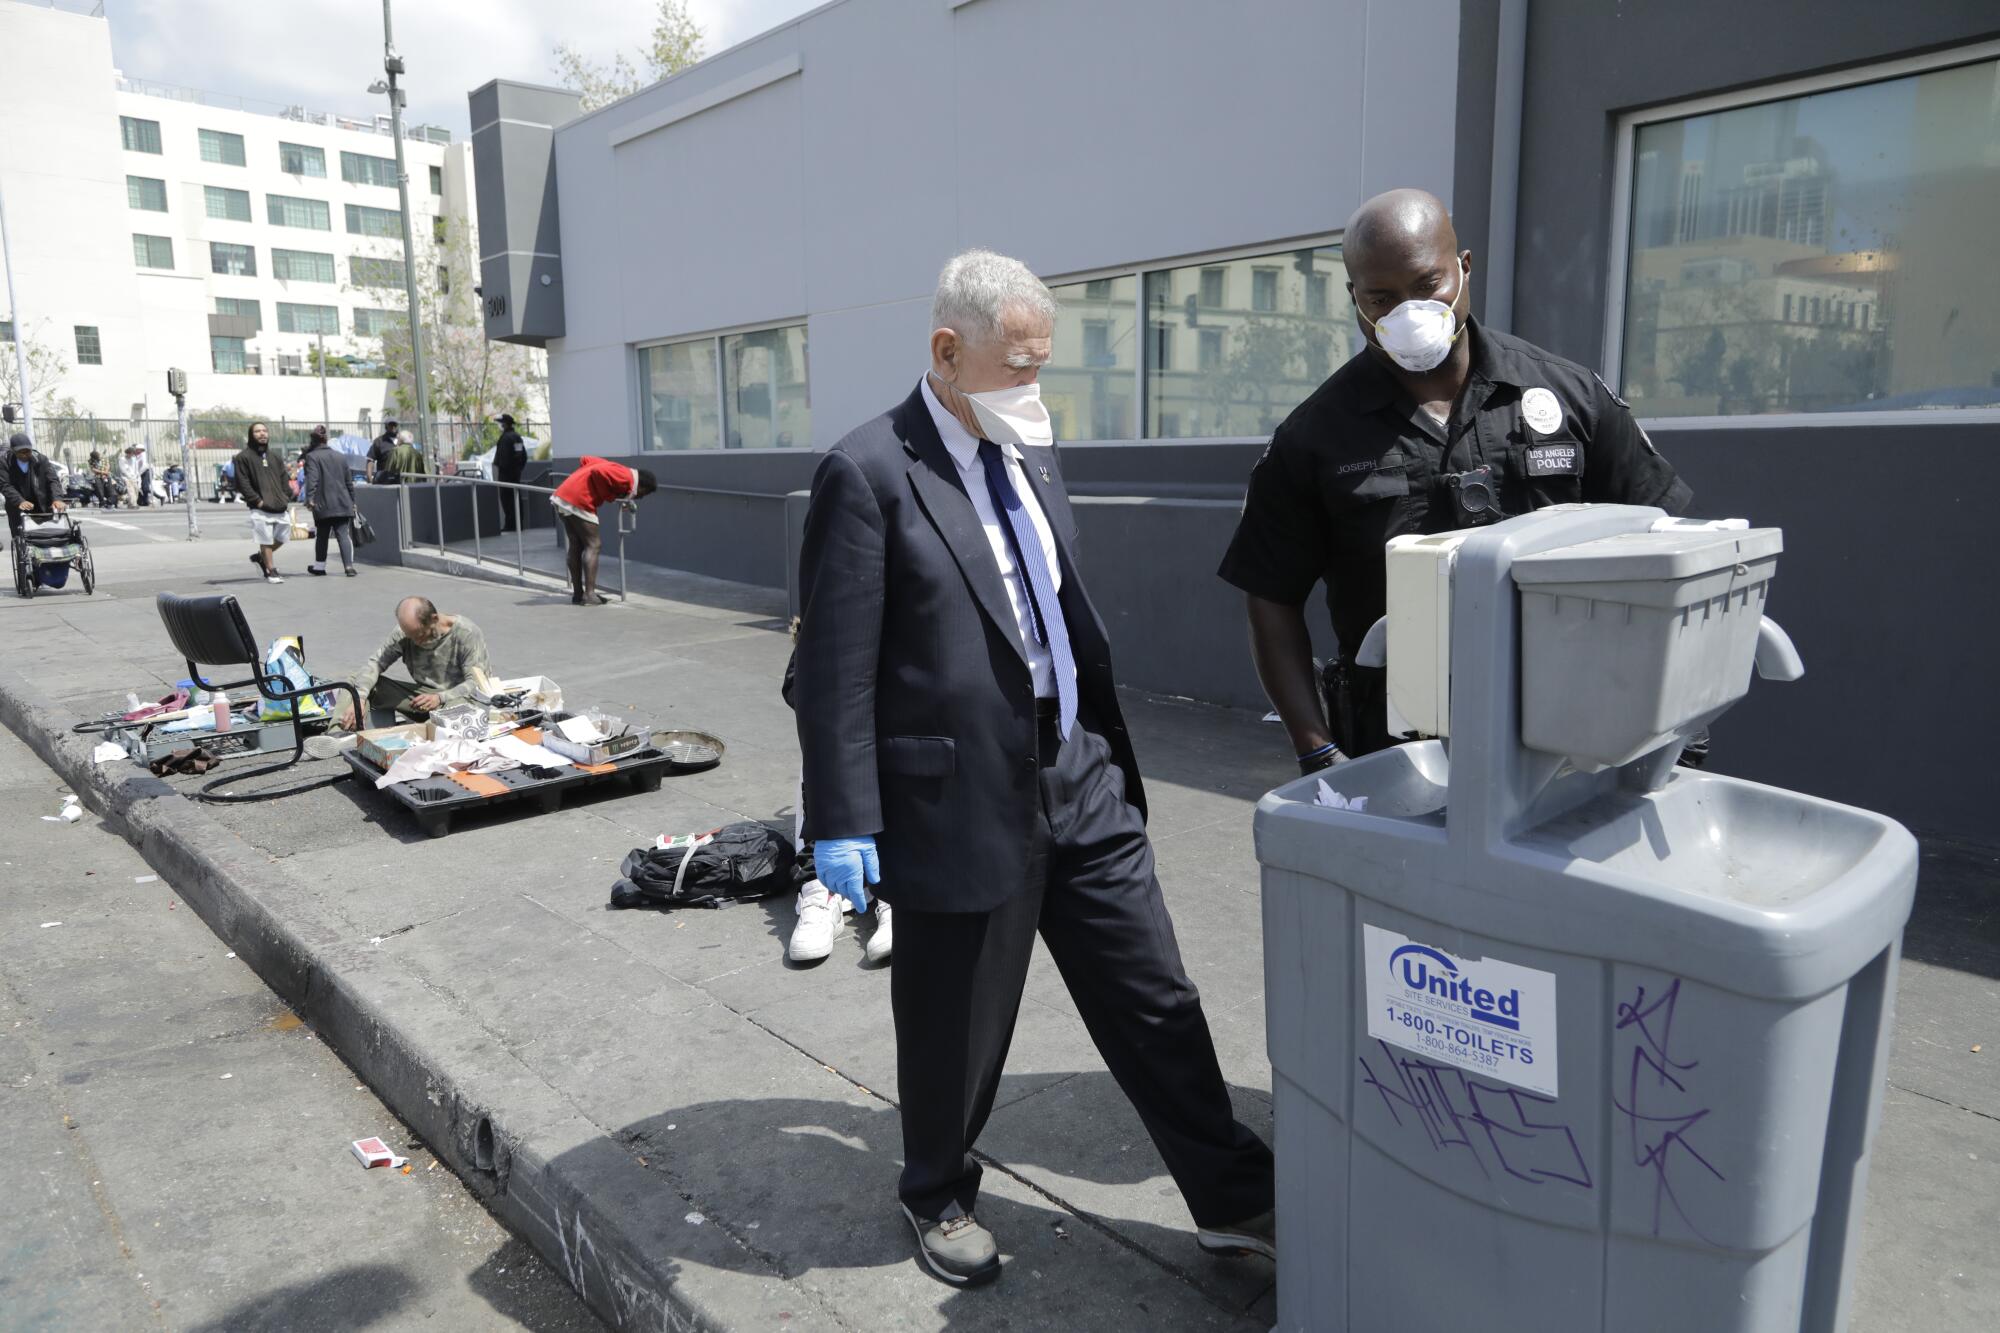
(699, 1135)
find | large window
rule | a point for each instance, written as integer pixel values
(738, 391)
(360, 169)
(243, 308)
(222, 146)
(298, 159)
(238, 261)
(1235, 346)
(679, 394)
(227, 355)
(1090, 381)
(152, 251)
(89, 351)
(371, 322)
(765, 400)
(368, 271)
(301, 266)
(140, 136)
(308, 318)
(147, 193)
(365, 221)
(1823, 251)
(229, 205)
(288, 211)
(1222, 348)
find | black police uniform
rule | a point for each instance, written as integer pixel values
(1359, 462)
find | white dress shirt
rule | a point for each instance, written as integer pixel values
(963, 446)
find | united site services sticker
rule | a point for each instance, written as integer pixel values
(1480, 1014)
(1541, 410)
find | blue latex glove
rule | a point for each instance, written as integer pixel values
(844, 863)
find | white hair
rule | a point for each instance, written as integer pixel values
(404, 437)
(979, 287)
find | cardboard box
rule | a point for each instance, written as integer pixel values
(577, 739)
(380, 745)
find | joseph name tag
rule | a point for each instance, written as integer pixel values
(1480, 1014)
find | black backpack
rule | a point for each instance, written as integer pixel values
(735, 863)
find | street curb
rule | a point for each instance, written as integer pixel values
(552, 1176)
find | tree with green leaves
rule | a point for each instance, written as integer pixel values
(675, 44)
(47, 368)
(472, 378)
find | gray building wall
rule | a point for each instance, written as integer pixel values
(875, 138)
(1883, 583)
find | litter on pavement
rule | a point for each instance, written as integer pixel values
(372, 1152)
(107, 751)
(72, 810)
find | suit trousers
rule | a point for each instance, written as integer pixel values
(955, 989)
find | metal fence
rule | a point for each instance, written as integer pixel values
(216, 440)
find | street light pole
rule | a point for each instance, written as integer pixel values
(392, 65)
(20, 323)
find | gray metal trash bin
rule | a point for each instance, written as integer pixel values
(1559, 1045)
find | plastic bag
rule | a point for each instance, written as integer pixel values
(285, 658)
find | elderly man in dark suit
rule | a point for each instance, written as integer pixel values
(964, 748)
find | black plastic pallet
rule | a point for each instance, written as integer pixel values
(434, 802)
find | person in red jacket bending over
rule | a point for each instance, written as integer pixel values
(596, 481)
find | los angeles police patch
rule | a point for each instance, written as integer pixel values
(1541, 411)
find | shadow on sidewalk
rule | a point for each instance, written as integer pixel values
(802, 1187)
(358, 1296)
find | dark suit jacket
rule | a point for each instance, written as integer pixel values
(916, 712)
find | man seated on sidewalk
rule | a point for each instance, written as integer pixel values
(445, 656)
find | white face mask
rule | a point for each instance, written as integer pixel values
(1418, 335)
(1012, 416)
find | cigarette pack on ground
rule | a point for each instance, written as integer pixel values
(374, 1152)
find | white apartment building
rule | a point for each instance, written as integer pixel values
(155, 227)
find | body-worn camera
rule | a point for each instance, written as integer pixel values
(1474, 496)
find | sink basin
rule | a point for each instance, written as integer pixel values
(1733, 841)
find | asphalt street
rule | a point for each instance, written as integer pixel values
(178, 1139)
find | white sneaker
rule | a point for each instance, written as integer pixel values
(820, 923)
(882, 941)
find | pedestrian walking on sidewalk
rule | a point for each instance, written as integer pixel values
(267, 494)
(510, 459)
(596, 482)
(328, 490)
(965, 751)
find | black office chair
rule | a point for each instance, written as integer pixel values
(212, 630)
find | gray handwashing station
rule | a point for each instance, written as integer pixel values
(1565, 1037)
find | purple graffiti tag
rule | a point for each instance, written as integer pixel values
(1661, 1128)
(1483, 1119)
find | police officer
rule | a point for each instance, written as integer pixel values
(1436, 424)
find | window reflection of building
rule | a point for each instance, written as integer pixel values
(1088, 383)
(1773, 245)
(761, 400)
(1237, 370)
(1230, 347)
